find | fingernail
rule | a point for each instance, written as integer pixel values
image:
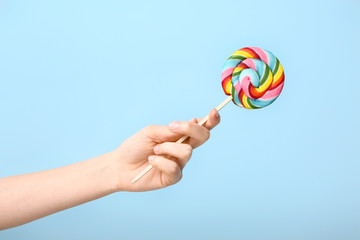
(151, 158)
(217, 115)
(156, 149)
(174, 125)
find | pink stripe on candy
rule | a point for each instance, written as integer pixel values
(262, 54)
(226, 73)
(250, 63)
(273, 93)
(245, 83)
(237, 87)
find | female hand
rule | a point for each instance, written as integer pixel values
(156, 145)
(26, 197)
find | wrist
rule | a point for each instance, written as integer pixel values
(107, 172)
(114, 169)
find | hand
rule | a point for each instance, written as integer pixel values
(156, 145)
(26, 197)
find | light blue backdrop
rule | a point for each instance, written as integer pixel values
(79, 77)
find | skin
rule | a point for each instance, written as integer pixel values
(25, 198)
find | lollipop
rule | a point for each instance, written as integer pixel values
(252, 77)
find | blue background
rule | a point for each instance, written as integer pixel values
(79, 77)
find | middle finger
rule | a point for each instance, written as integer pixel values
(198, 134)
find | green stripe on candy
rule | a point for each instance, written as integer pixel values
(236, 73)
(277, 65)
(251, 104)
(237, 57)
(265, 76)
(235, 96)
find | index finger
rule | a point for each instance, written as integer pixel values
(214, 119)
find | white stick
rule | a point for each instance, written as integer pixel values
(183, 138)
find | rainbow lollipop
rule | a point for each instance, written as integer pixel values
(252, 77)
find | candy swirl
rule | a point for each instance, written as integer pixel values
(253, 76)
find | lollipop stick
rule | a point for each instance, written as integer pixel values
(183, 138)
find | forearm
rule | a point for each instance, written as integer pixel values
(27, 197)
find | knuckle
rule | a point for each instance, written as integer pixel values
(174, 180)
(207, 134)
(179, 177)
(173, 169)
(186, 126)
(187, 151)
(150, 128)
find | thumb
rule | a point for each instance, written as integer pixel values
(160, 133)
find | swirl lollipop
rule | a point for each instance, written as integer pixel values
(252, 77)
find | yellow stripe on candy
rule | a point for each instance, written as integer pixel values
(245, 103)
(278, 74)
(238, 69)
(267, 83)
(243, 53)
(228, 87)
